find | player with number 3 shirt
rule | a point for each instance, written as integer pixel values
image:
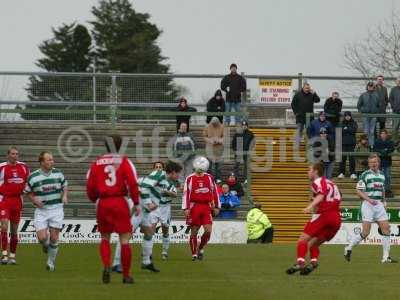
(110, 179)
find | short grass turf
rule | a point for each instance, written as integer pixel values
(227, 272)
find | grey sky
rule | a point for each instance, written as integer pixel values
(261, 36)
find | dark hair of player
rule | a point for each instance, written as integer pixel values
(113, 139)
(319, 167)
(172, 166)
(158, 162)
(42, 154)
(11, 149)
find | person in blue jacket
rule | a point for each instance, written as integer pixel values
(315, 126)
(228, 203)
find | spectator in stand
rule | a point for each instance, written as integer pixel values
(216, 104)
(235, 186)
(233, 85)
(303, 103)
(259, 228)
(368, 103)
(183, 107)
(332, 108)
(242, 144)
(323, 150)
(229, 201)
(349, 141)
(384, 146)
(382, 93)
(184, 148)
(213, 136)
(394, 100)
(362, 159)
(314, 128)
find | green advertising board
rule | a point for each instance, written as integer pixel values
(350, 215)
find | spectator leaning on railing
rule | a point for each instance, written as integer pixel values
(313, 129)
(183, 107)
(216, 104)
(229, 201)
(368, 103)
(362, 159)
(233, 85)
(332, 108)
(394, 99)
(184, 149)
(382, 93)
(259, 228)
(242, 143)
(303, 103)
(349, 130)
(384, 146)
(213, 135)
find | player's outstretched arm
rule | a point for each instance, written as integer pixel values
(65, 196)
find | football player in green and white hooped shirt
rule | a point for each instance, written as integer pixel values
(371, 189)
(47, 189)
(152, 190)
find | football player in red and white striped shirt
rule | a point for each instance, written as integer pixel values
(200, 201)
(13, 176)
(325, 221)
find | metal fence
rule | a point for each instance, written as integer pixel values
(101, 93)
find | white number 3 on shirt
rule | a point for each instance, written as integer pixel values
(110, 171)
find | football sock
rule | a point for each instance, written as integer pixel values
(204, 239)
(302, 247)
(147, 249)
(53, 250)
(13, 243)
(165, 244)
(386, 246)
(355, 240)
(314, 254)
(193, 244)
(105, 253)
(126, 257)
(117, 255)
(4, 240)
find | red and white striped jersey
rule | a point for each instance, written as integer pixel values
(200, 189)
(112, 175)
(13, 178)
(331, 193)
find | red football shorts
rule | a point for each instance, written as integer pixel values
(324, 226)
(11, 209)
(200, 214)
(113, 216)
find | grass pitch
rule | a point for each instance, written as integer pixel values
(228, 272)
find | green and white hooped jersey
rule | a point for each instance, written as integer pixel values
(373, 184)
(47, 187)
(151, 187)
(170, 188)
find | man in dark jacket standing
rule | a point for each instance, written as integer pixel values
(382, 92)
(384, 146)
(233, 85)
(242, 143)
(349, 141)
(303, 103)
(368, 103)
(394, 100)
(332, 108)
(216, 104)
